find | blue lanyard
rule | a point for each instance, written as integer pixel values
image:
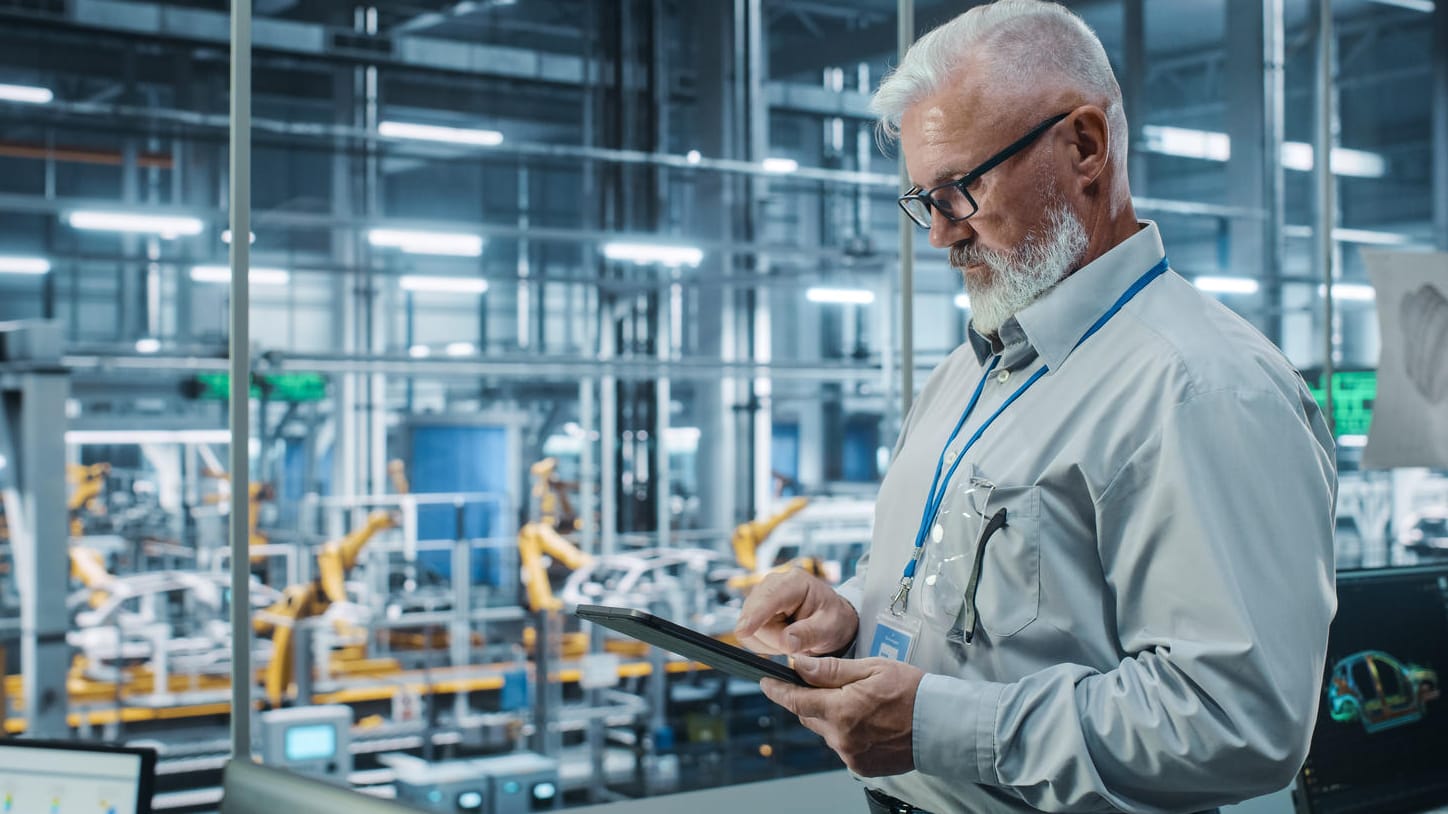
(936, 497)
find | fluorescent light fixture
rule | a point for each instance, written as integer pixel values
(1370, 237)
(1181, 141)
(257, 275)
(1227, 285)
(682, 439)
(460, 349)
(693, 156)
(432, 132)
(1352, 440)
(962, 301)
(843, 296)
(780, 166)
(23, 265)
(1350, 292)
(148, 436)
(661, 253)
(1345, 161)
(148, 345)
(444, 285)
(226, 237)
(167, 226)
(1425, 6)
(419, 351)
(1213, 146)
(27, 94)
(422, 242)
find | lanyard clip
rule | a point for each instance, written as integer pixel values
(902, 596)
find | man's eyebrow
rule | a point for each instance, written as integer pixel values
(946, 177)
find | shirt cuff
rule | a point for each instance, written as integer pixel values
(954, 728)
(852, 592)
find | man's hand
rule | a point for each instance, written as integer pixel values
(863, 708)
(797, 614)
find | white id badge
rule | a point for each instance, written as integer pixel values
(894, 637)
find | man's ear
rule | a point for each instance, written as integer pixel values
(1089, 135)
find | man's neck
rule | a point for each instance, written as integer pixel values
(1108, 231)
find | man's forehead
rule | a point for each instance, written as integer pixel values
(942, 135)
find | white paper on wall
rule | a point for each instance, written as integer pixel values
(1410, 413)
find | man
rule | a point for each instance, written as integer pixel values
(1101, 574)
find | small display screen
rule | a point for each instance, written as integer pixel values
(311, 742)
(1382, 725)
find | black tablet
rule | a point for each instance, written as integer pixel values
(690, 644)
(54, 776)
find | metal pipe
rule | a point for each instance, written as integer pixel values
(240, 179)
(1440, 124)
(905, 32)
(1326, 205)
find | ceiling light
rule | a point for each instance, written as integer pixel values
(1352, 440)
(23, 265)
(226, 236)
(693, 157)
(660, 253)
(460, 349)
(1213, 146)
(844, 296)
(962, 301)
(1227, 285)
(781, 166)
(1371, 237)
(27, 94)
(1187, 143)
(148, 436)
(148, 345)
(1350, 292)
(431, 132)
(419, 351)
(1425, 6)
(423, 242)
(257, 275)
(1345, 161)
(445, 285)
(167, 226)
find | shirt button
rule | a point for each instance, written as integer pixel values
(1003, 376)
(937, 533)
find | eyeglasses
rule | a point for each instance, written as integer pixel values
(952, 199)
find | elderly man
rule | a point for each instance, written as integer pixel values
(1101, 575)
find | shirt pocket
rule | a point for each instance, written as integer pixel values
(1008, 587)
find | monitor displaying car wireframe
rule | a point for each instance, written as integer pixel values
(41, 777)
(310, 742)
(1381, 742)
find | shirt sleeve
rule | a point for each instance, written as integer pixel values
(1215, 539)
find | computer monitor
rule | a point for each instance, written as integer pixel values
(1381, 742)
(63, 777)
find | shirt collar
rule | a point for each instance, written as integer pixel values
(1053, 324)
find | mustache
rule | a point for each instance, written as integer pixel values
(962, 255)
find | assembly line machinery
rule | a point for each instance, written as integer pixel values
(374, 666)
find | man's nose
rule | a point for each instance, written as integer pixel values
(945, 233)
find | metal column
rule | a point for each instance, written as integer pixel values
(1254, 70)
(1324, 138)
(905, 35)
(1439, 55)
(240, 180)
(32, 473)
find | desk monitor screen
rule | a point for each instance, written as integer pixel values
(1381, 742)
(49, 777)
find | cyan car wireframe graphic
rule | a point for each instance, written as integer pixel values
(1373, 687)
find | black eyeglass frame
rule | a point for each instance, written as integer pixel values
(926, 197)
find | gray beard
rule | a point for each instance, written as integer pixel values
(1020, 277)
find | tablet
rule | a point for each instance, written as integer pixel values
(690, 644)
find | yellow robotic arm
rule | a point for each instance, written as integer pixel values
(89, 567)
(311, 599)
(535, 540)
(748, 536)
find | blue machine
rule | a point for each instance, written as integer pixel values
(461, 458)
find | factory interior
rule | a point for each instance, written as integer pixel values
(562, 302)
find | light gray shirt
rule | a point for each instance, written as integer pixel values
(1152, 620)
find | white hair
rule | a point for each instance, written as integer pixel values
(1027, 43)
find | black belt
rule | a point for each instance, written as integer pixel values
(882, 803)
